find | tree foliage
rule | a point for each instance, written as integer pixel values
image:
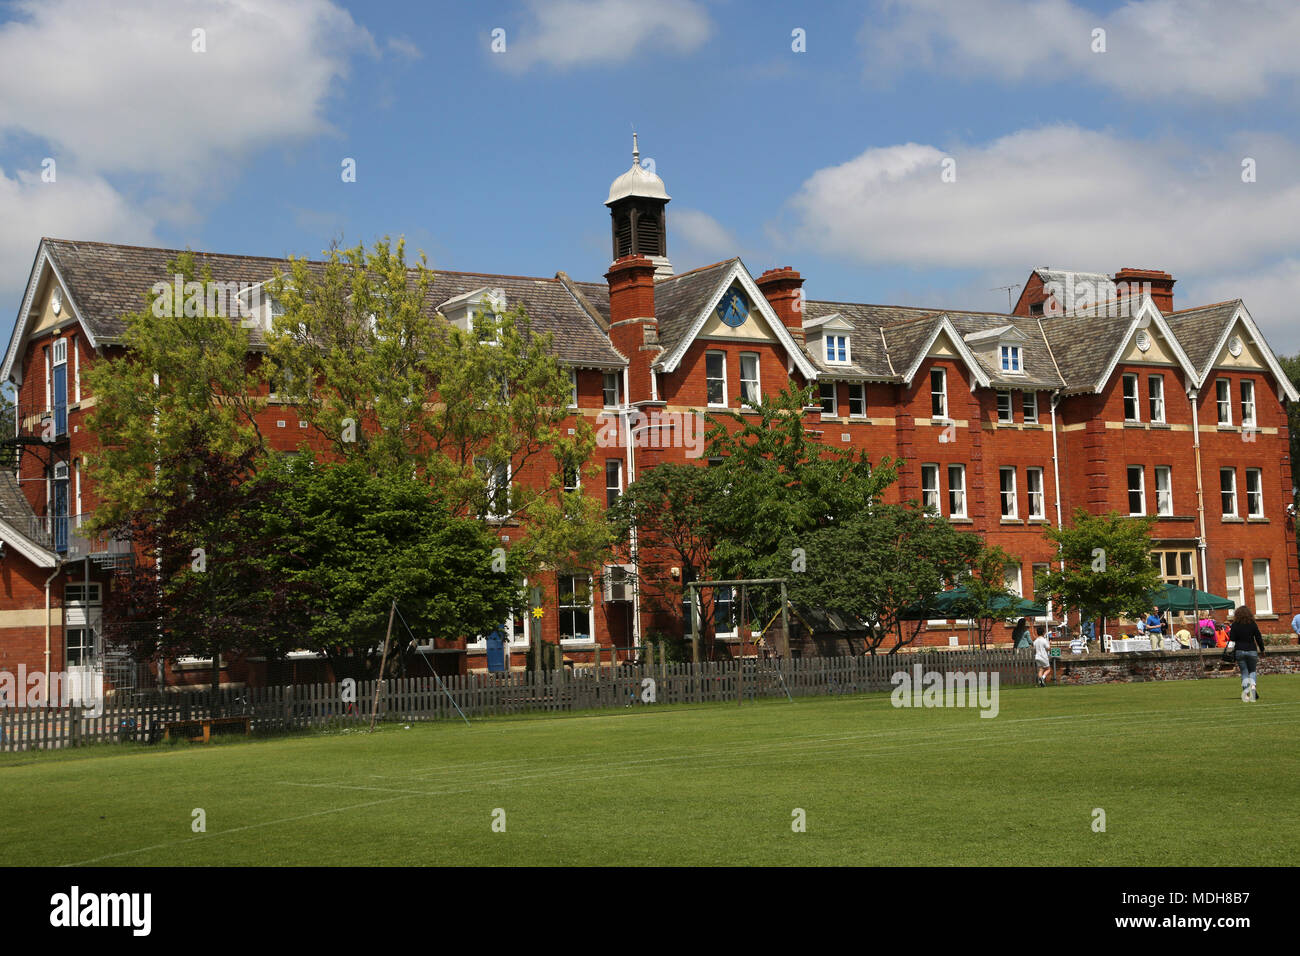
(187, 382)
(1108, 569)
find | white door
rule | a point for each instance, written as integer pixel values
(83, 646)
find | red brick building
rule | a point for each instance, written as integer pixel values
(1094, 392)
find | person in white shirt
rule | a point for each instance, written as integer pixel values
(1043, 656)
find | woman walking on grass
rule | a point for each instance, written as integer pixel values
(1248, 644)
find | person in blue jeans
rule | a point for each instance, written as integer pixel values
(1249, 644)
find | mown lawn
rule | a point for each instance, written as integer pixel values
(1185, 772)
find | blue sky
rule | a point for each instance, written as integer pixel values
(828, 159)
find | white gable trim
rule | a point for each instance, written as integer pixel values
(832, 320)
(26, 547)
(739, 274)
(1146, 311)
(19, 336)
(998, 335)
(967, 356)
(1242, 315)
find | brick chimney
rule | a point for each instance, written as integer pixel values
(633, 327)
(782, 289)
(1137, 281)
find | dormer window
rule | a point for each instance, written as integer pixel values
(837, 349)
(480, 309)
(1011, 358)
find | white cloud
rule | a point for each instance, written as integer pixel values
(1191, 49)
(574, 33)
(119, 88)
(1058, 196)
(698, 239)
(1269, 294)
(71, 207)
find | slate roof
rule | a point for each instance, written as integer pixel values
(15, 508)
(1199, 330)
(108, 281)
(1072, 351)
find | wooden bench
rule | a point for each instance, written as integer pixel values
(194, 729)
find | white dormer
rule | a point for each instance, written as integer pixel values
(1002, 348)
(464, 309)
(828, 337)
(257, 308)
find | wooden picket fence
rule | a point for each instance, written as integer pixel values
(144, 716)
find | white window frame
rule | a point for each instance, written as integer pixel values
(591, 608)
(1255, 498)
(1264, 604)
(1156, 398)
(756, 381)
(861, 389)
(1037, 497)
(577, 477)
(935, 492)
(1011, 359)
(1011, 504)
(1006, 401)
(1141, 489)
(1164, 490)
(1247, 387)
(1240, 590)
(957, 491)
(491, 473)
(835, 344)
(835, 398)
(1018, 584)
(708, 379)
(1134, 398)
(514, 641)
(1029, 407)
(1223, 399)
(76, 370)
(1228, 491)
(617, 487)
(606, 378)
(941, 394)
(573, 388)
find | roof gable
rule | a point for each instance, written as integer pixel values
(701, 301)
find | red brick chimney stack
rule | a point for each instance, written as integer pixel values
(783, 290)
(1137, 280)
(633, 326)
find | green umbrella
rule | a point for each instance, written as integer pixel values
(1178, 599)
(955, 603)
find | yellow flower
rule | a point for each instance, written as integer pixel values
(537, 613)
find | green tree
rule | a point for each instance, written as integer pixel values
(188, 381)
(986, 587)
(382, 380)
(360, 541)
(1108, 570)
(880, 565)
(206, 584)
(1291, 365)
(673, 510)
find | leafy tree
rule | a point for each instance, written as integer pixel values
(1108, 570)
(360, 541)
(187, 382)
(1291, 365)
(382, 380)
(204, 584)
(674, 511)
(986, 587)
(782, 483)
(879, 565)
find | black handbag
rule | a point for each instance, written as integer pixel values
(1230, 653)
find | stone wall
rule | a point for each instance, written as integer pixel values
(1165, 665)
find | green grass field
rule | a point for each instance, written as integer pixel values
(1185, 772)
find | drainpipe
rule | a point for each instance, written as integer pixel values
(631, 476)
(58, 566)
(1056, 470)
(1193, 395)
